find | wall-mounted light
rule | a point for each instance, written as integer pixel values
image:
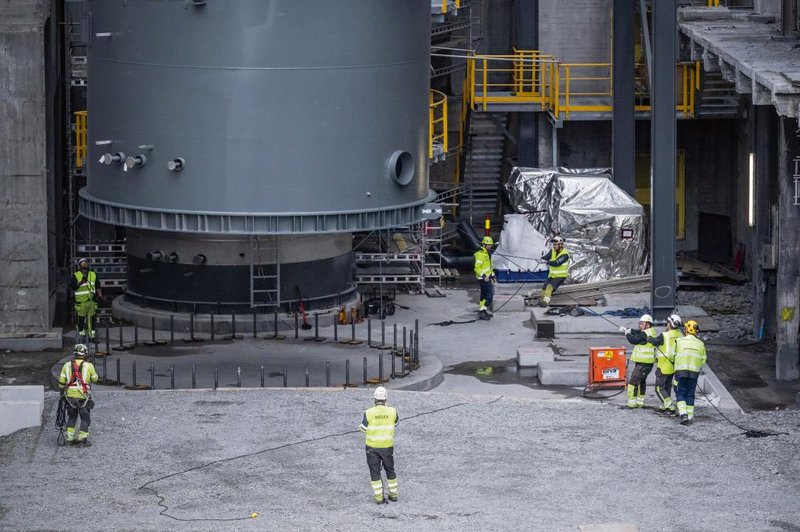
(751, 190)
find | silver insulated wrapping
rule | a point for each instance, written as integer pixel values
(604, 228)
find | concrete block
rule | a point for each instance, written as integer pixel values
(564, 373)
(513, 304)
(31, 341)
(545, 329)
(21, 407)
(531, 356)
(704, 13)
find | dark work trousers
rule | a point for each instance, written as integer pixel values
(639, 376)
(685, 389)
(380, 457)
(555, 282)
(74, 409)
(663, 384)
(487, 293)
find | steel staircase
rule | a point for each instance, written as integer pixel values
(718, 98)
(483, 162)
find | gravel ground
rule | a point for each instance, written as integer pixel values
(730, 306)
(509, 464)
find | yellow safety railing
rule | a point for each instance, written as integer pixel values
(80, 138)
(444, 5)
(437, 130)
(713, 3)
(520, 77)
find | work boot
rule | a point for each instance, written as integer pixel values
(380, 500)
(685, 419)
(640, 401)
(393, 497)
(483, 315)
(85, 443)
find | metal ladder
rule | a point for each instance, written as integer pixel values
(264, 287)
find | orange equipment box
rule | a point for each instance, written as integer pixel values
(607, 367)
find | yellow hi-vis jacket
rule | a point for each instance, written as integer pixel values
(75, 388)
(559, 270)
(666, 351)
(645, 353)
(690, 355)
(378, 424)
(483, 263)
(85, 291)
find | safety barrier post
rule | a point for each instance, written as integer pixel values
(233, 325)
(365, 371)
(347, 372)
(172, 377)
(393, 373)
(108, 338)
(255, 325)
(308, 377)
(133, 370)
(238, 376)
(369, 332)
(285, 376)
(296, 328)
(353, 331)
(380, 368)
(194, 376)
(191, 326)
(105, 374)
(328, 374)
(212, 326)
(135, 334)
(383, 333)
(216, 377)
(152, 376)
(171, 328)
(118, 381)
(394, 344)
(411, 339)
(153, 330)
(335, 329)
(262, 376)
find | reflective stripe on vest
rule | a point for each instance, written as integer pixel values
(645, 354)
(381, 420)
(558, 271)
(74, 387)
(690, 354)
(483, 263)
(85, 291)
(666, 359)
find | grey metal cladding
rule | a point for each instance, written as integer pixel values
(285, 112)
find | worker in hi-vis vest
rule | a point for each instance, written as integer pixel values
(557, 260)
(690, 355)
(378, 424)
(665, 362)
(644, 355)
(86, 289)
(485, 274)
(75, 381)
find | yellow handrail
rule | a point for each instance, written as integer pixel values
(80, 138)
(444, 5)
(437, 121)
(713, 3)
(517, 77)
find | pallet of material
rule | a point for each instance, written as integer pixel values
(700, 270)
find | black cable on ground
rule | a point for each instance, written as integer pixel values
(447, 323)
(748, 433)
(61, 421)
(586, 393)
(162, 498)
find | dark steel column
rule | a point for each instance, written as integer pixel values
(624, 127)
(663, 155)
(787, 356)
(528, 39)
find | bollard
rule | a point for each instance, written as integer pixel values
(216, 377)
(153, 329)
(233, 325)
(328, 374)
(171, 328)
(276, 324)
(380, 368)
(105, 374)
(212, 326)
(152, 376)
(255, 325)
(194, 377)
(308, 377)
(404, 342)
(135, 334)
(393, 373)
(296, 328)
(383, 333)
(172, 377)
(133, 371)
(365, 371)
(191, 326)
(335, 329)
(353, 332)
(238, 376)
(108, 338)
(347, 372)
(411, 350)
(316, 326)
(118, 381)
(369, 332)
(394, 342)
(285, 376)
(262, 376)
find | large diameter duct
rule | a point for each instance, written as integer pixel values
(255, 117)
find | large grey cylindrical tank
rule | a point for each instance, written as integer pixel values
(224, 118)
(258, 116)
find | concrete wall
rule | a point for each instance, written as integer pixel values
(576, 31)
(24, 304)
(768, 7)
(585, 144)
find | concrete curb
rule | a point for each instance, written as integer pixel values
(709, 382)
(429, 375)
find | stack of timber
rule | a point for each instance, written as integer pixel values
(698, 274)
(590, 294)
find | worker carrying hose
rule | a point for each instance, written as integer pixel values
(644, 356)
(557, 260)
(75, 381)
(485, 274)
(690, 355)
(86, 291)
(378, 424)
(665, 362)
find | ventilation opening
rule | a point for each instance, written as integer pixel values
(401, 167)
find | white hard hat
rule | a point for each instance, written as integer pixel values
(675, 321)
(646, 317)
(558, 240)
(83, 259)
(380, 394)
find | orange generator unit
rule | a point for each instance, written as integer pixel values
(607, 367)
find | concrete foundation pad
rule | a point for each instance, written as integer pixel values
(21, 407)
(531, 356)
(31, 341)
(591, 323)
(564, 373)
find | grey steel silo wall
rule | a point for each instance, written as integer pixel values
(277, 106)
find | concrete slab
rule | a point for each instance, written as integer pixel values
(21, 407)
(531, 355)
(31, 341)
(606, 324)
(564, 373)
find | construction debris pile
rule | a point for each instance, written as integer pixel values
(729, 305)
(604, 228)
